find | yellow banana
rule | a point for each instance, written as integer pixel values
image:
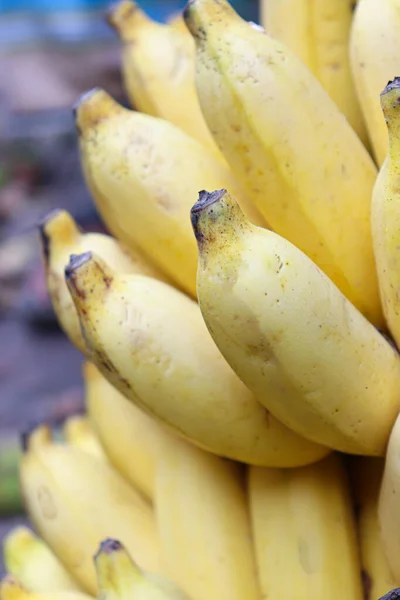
(62, 237)
(74, 500)
(204, 525)
(150, 341)
(318, 33)
(367, 476)
(147, 172)
(375, 58)
(31, 561)
(177, 22)
(11, 589)
(304, 532)
(299, 160)
(131, 438)
(159, 70)
(292, 337)
(78, 432)
(119, 578)
(385, 213)
(388, 505)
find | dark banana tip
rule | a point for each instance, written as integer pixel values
(205, 199)
(109, 546)
(26, 434)
(78, 103)
(75, 262)
(44, 238)
(392, 595)
(391, 85)
(186, 10)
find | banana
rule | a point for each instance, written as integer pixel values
(304, 532)
(150, 341)
(304, 350)
(159, 70)
(298, 159)
(147, 170)
(74, 500)
(31, 561)
(375, 59)
(119, 578)
(385, 213)
(388, 505)
(204, 525)
(318, 33)
(61, 237)
(367, 476)
(177, 22)
(78, 432)
(11, 589)
(131, 438)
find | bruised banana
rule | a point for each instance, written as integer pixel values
(131, 438)
(389, 505)
(304, 533)
(147, 171)
(204, 525)
(61, 237)
(375, 59)
(298, 159)
(385, 213)
(318, 33)
(31, 561)
(11, 589)
(119, 578)
(78, 432)
(366, 479)
(299, 345)
(75, 501)
(159, 70)
(150, 341)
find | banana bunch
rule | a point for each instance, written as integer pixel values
(240, 325)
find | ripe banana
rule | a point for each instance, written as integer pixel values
(204, 525)
(304, 532)
(131, 438)
(31, 561)
(147, 171)
(385, 213)
(150, 341)
(292, 337)
(78, 432)
(299, 160)
(375, 58)
(318, 33)
(11, 589)
(61, 237)
(119, 578)
(367, 476)
(388, 505)
(74, 500)
(159, 70)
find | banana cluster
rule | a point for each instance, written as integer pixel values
(239, 326)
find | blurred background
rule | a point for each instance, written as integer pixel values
(51, 51)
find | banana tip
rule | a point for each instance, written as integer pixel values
(83, 99)
(44, 237)
(109, 546)
(392, 595)
(394, 84)
(27, 433)
(75, 262)
(186, 10)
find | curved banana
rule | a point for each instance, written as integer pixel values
(204, 524)
(75, 501)
(61, 237)
(375, 59)
(150, 341)
(147, 171)
(304, 350)
(31, 561)
(11, 589)
(298, 159)
(304, 532)
(385, 213)
(318, 33)
(78, 432)
(366, 478)
(131, 438)
(159, 70)
(119, 578)
(388, 505)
